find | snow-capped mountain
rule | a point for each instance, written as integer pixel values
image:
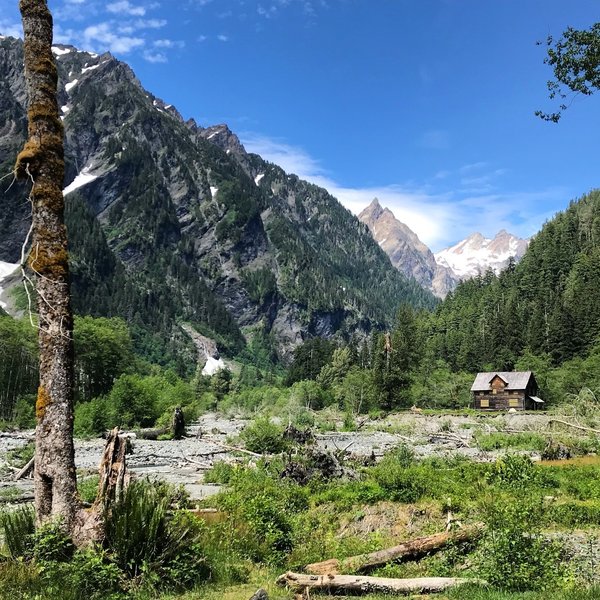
(476, 254)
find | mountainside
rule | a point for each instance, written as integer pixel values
(548, 304)
(406, 251)
(173, 223)
(475, 255)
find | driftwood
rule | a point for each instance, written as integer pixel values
(114, 477)
(25, 470)
(235, 449)
(410, 549)
(581, 427)
(354, 584)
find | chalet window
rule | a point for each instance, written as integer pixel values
(484, 403)
(494, 391)
(513, 402)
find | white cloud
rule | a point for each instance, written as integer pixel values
(223, 38)
(124, 7)
(149, 23)
(155, 57)
(440, 216)
(168, 43)
(103, 34)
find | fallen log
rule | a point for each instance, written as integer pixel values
(410, 549)
(580, 427)
(25, 470)
(235, 449)
(354, 584)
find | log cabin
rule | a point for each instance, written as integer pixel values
(503, 390)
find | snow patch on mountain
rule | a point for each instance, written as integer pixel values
(476, 254)
(213, 365)
(82, 179)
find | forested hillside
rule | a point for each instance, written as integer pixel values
(172, 223)
(547, 304)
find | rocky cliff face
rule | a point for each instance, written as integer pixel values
(406, 251)
(475, 255)
(172, 222)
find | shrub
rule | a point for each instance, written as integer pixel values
(514, 555)
(264, 437)
(514, 471)
(220, 472)
(575, 513)
(52, 544)
(399, 477)
(263, 508)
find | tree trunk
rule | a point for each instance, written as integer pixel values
(409, 549)
(354, 584)
(42, 162)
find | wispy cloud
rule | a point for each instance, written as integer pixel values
(438, 211)
(123, 7)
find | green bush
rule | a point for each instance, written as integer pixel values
(263, 508)
(88, 575)
(514, 555)
(264, 437)
(220, 472)
(399, 477)
(515, 471)
(52, 544)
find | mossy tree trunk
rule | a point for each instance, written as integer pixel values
(42, 161)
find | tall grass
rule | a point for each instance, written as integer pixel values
(17, 527)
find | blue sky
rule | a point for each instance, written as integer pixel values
(426, 104)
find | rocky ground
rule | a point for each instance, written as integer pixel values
(184, 461)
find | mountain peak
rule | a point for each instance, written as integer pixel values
(406, 251)
(476, 254)
(372, 212)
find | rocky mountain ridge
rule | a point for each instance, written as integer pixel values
(170, 223)
(406, 251)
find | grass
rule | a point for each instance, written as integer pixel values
(514, 441)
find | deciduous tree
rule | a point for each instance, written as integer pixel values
(575, 61)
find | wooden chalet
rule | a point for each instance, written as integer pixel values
(503, 390)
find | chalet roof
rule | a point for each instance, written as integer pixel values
(515, 380)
